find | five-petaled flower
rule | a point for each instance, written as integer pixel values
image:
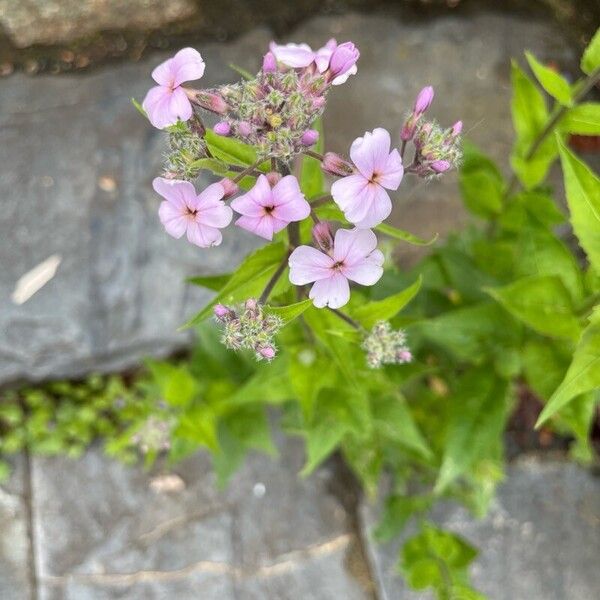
(362, 196)
(168, 101)
(266, 210)
(354, 257)
(201, 216)
(337, 59)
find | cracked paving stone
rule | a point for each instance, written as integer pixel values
(102, 531)
(15, 578)
(77, 160)
(540, 540)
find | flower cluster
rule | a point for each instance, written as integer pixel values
(154, 435)
(275, 113)
(249, 328)
(385, 346)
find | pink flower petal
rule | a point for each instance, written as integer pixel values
(363, 204)
(367, 271)
(290, 204)
(180, 193)
(378, 210)
(261, 226)
(296, 56)
(164, 74)
(208, 196)
(172, 219)
(187, 65)
(370, 153)
(348, 191)
(392, 172)
(333, 291)
(253, 202)
(246, 205)
(157, 107)
(216, 214)
(202, 235)
(323, 55)
(352, 245)
(307, 264)
(353, 70)
(180, 105)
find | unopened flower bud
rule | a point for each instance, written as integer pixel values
(309, 137)
(230, 188)
(408, 129)
(244, 128)
(322, 235)
(457, 128)
(440, 166)
(209, 101)
(267, 352)
(318, 102)
(424, 100)
(405, 356)
(223, 313)
(336, 165)
(269, 63)
(222, 128)
(344, 57)
(273, 177)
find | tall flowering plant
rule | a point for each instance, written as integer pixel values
(266, 144)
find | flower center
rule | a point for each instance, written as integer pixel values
(269, 209)
(190, 212)
(337, 266)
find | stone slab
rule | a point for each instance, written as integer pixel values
(540, 540)
(15, 573)
(103, 531)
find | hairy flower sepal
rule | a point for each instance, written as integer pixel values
(354, 257)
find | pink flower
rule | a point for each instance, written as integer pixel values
(167, 102)
(200, 216)
(354, 257)
(340, 59)
(266, 210)
(362, 196)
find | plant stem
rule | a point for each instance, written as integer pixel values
(346, 318)
(313, 154)
(246, 171)
(587, 86)
(588, 304)
(321, 200)
(274, 279)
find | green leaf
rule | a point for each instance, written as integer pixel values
(583, 119)
(476, 426)
(542, 303)
(210, 282)
(583, 197)
(249, 279)
(321, 441)
(545, 364)
(216, 166)
(396, 513)
(404, 236)
(582, 376)
(290, 312)
(139, 108)
(556, 85)
(230, 150)
(481, 183)
(383, 310)
(590, 60)
(312, 180)
(177, 385)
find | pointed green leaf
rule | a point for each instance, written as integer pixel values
(290, 312)
(139, 108)
(556, 85)
(383, 310)
(590, 61)
(405, 236)
(583, 119)
(582, 187)
(241, 71)
(210, 282)
(582, 376)
(230, 150)
(216, 166)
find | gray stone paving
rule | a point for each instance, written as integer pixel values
(76, 163)
(104, 531)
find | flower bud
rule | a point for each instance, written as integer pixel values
(344, 57)
(408, 129)
(209, 101)
(424, 100)
(404, 356)
(267, 352)
(244, 128)
(322, 235)
(336, 165)
(269, 64)
(440, 166)
(273, 177)
(222, 128)
(230, 188)
(223, 313)
(318, 102)
(457, 128)
(309, 137)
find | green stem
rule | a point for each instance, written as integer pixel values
(274, 279)
(321, 200)
(346, 318)
(246, 171)
(313, 154)
(588, 304)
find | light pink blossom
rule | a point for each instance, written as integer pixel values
(354, 257)
(167, 102)
(300, 56)
(266, 210)
(362, 196)
(200, 216)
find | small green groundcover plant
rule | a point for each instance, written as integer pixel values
(414, 374)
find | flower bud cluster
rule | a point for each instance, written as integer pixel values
(437, 150)
(186, 146)
(154, 435)
(274, 111)
(385, 346)
(249, 328)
